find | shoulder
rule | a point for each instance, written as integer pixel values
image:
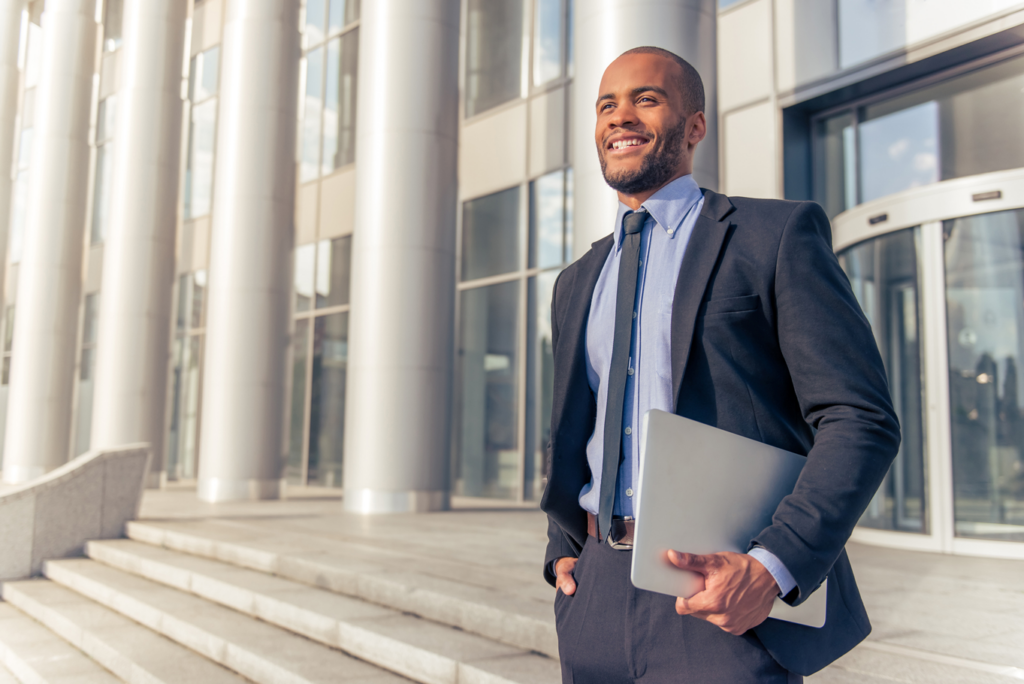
(773, 218)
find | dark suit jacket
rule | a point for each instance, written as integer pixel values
(768, 342)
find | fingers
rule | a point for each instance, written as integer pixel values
(694, 562)
(563, 575)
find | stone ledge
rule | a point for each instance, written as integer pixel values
(90, 497)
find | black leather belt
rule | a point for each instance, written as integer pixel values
(621, 535)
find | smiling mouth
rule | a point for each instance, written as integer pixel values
(622, 144)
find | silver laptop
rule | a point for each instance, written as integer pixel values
(705, 490)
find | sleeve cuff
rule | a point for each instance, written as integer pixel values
(773, 565)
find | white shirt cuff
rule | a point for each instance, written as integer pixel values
(773, 565)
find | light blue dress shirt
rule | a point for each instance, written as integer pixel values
(673, 214)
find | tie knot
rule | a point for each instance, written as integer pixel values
(634, 222)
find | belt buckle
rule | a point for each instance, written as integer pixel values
(620, 537)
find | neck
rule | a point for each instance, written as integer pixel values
(634, 200)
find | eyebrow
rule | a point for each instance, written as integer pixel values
(635, 92)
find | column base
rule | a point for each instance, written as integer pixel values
(217, 490)
(17, 474)
(373, 501)
(156, 480)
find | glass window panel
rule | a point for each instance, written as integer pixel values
(540, 379)
(90, 318)
(25, 148)
(181, 322)
(984, 290)
(106, 119)
(342, 13)
(487, 460)
(9, 328)
(198, 299)
(490, 235)
(835, 181)
(868, 28)
(334, 262)
(567, 257)
(297, 422)
(309, 156)
(305, 259)
(884, 273)
(199, 171)
(548, 35)
(327, 400)
(315, 12)
(203, 75)
(340, 102)
(34, 58)
(568, 38)
(898, 150)
(101, 192)
(86, 373)
(547, 220)
(113, 18)
(493, 47)
(188, 444)
(722, 4)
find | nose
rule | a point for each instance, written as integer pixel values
(624, 115)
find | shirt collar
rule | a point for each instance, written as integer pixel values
(669, 206)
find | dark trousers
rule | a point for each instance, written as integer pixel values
(610, 632)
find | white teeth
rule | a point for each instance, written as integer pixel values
(630, 142)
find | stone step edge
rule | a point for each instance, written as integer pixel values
(24, 671)
(492, 623)
(104, 653)
(380, 650)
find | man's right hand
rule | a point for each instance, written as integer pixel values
(563, 575)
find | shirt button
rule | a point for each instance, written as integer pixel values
(634, 314)
(629, 371)
(670, 231)
(641, 262)
(629, 492)
(629, 431)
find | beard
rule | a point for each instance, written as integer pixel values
(657, 167)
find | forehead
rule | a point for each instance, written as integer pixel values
(636, 70)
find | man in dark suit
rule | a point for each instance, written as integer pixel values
(733, 312)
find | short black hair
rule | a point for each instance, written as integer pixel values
(690, 84)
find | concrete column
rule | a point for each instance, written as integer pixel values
(249, 314)
(403, 258)
(50, 275)
(10, 35)
(603, 30)
(138, 256)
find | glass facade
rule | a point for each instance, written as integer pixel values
(962, 126)
(884, 273)
(494, 48)
(984, 260)
(86, 372)
(328, 103)
(504, 359)
(189, 328)
(106, 125)
(319, 363)
(204, 74)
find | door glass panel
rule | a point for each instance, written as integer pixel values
(898, 150)
(540, 382)
(327, 400)
(487, 458)
(884, 274)
(297, 409)
(984, 294)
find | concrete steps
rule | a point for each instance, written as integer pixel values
(132, 575)
(509, 609)
(32, 654)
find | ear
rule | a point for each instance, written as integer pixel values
(696, 128)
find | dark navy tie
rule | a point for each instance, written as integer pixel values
(625, 300)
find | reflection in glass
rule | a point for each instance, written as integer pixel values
(183, 443)
(203, 75)
(297, 420)
(487, 457)
(327, 400)
(540, 382)
(315, 12)
(343, 13)
(494, 30)
(113, 20)
(835, 181)
(898, 150)
(985, 319)
(490, 235)
(868, 28)
(309, 150)
(547, 41)
(885, 277)
(334, 260)
(339, 143)
(305, 259)
(548, 220)
(199, 169)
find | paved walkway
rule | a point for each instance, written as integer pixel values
(936, 618)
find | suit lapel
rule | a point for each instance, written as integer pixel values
(698, 263)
